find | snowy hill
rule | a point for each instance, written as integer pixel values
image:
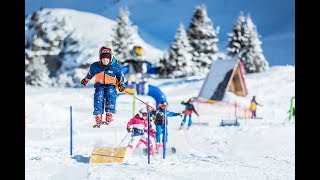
(257, 149)
(69, 40)
(95, 30)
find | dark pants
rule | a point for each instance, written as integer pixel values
(253, 114)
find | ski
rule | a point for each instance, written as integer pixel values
(96, 126)
(171, 150)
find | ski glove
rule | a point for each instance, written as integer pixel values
(121, 86)
(129, 130)
(180, 114)
(84, 81)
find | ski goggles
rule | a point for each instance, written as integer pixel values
(105, 55)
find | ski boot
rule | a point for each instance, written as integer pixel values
(152, 151)
(98, 121)
(96, 126)
(158, 146)
(108, 119)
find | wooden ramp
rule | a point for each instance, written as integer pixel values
(108, 155)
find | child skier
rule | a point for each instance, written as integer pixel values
(159, 122)
(108, 77)
(189, 109)
(253, 107)
(138, 125)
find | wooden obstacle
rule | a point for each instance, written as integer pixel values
(108, 155)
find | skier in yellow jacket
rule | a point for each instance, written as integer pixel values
(253, 107)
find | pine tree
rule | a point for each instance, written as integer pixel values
(37, 73)
(123, 35)
(236, 39)
(164, 68)
(45, 38)
(252, 54)
(180, 56)
(203, 38)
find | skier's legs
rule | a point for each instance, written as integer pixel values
(133, 142)
(183, 120)
(110, 95)
(144, 139)
(190, 120)
(139, 143)
(98, 100)
(253, 114)
(166, 135)
(158, 133)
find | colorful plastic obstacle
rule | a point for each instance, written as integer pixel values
(108, 155)
(230, 122)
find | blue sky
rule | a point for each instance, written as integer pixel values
(158, 20)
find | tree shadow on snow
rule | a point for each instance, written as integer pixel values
(81, 159)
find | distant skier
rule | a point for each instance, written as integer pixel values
(138, 125)
(189, 109)
(137, 70)
(159, 122)
(253, 107)
(108, 77)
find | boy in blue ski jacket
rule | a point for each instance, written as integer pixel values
(159, 122)
(108, 77)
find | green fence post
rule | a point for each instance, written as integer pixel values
(292, 106)
(134, 103)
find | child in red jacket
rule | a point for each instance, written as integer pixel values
(138, 125)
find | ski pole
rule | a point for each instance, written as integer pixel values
(148, 135)
(140, 100)
(123, 139)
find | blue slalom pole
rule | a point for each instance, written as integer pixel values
(70, 130)
(148, 148)
(164, 133)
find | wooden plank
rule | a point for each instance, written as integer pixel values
(107, 155)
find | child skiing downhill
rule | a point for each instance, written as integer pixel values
(189, 109)
(253, 107)
(138, 125)
(108, 77)
(159, 122)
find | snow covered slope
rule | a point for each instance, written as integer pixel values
(257, 149)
